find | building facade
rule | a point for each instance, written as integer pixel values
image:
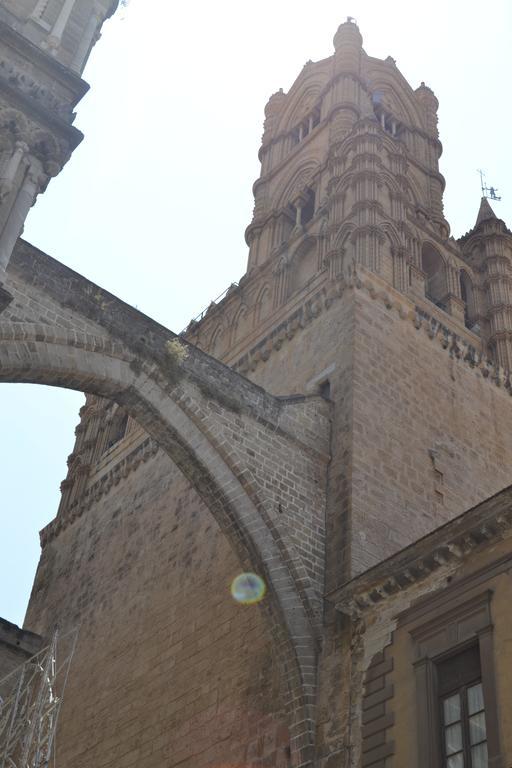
(356, 384)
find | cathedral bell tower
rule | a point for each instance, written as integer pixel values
(350, 155)
(44, 46)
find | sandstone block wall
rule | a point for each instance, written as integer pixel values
(168, 668)
(432, 433)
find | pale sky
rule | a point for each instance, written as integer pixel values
(153, 205)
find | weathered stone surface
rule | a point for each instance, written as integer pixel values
(361, 405)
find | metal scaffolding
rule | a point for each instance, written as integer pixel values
(30, 709)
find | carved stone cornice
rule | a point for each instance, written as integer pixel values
(311, 308)
(330, 290)
(46, 63)
(39, 117)
(455, 541)
(17, 78)
(39, 88)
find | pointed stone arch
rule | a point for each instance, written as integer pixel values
(468, 296)
(239, 320)
(197, 410)
(264, 303)
(402, 185)
(399, 93)
(302, 178)
(303, 263)
(303, 96)
(434, 267)
(219, 341)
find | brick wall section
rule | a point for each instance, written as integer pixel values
(168, 668)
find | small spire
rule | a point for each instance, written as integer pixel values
(485, 212)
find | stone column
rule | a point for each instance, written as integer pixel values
(88, 39)
(60, 25)
(19, 211)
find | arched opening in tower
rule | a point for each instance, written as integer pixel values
(434, 269)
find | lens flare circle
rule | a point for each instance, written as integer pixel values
(248, 588)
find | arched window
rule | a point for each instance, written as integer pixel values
(117, 428)
(306, 126)
(388, 122)
(432, 264)
(303, 211)
(468, 297)
(308, 209)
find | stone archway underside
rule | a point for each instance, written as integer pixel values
(62, 330)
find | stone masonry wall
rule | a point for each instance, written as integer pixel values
(259, 463)
(319, 348)
(432, 432)
(169, 669)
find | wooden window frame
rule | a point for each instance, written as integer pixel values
(437, 640)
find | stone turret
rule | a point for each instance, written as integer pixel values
(347, 96)
(44, 46)
(350, 174)
(488, 249)
(348, 44)
(429, 104)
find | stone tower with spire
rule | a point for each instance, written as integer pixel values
(351, 263)
(355, 291)
(44, 46)
(486, 282)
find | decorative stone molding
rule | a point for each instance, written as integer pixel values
(481, 526)
(456, 346)
(15, 77)
(311, 309)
